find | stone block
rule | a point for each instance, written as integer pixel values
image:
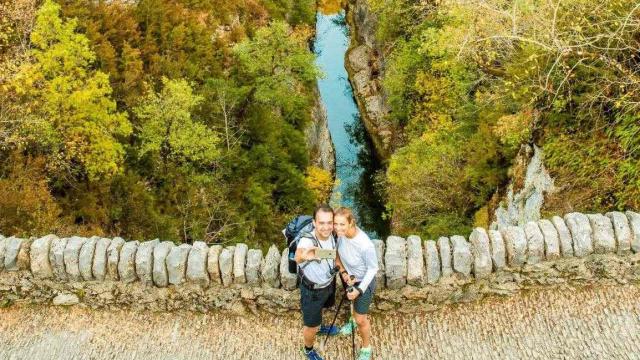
(564, 236)
(634, 224)
(415, 265)
(515, 241)
(113, 258)
(226, 265)
(288, 280)
(40, 264)
(380, 275)
(56, 258)
(127, 262)
(581, 233)
(446, 261)
(24, 254)
(212, 263)
(622, 231)
(432, 261)
(12, 248)
(535, 243)
(395, 260)
(3, 250)
(604, 239)
(270, 267)
(498, 251)
(177, 263)
(481, 250)
(66, 300)
(551, 239)
(197, 264)
(252, 270)
(72, 258)
(144, 261)
(462, 257)
(99, 267)
(160, 273)
(239, 263)
(85, 258)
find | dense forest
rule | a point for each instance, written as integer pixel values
(470, 82)
(179, 120)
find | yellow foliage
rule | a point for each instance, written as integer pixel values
(320, 182)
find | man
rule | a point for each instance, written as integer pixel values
(317, 283)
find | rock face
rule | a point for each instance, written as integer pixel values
(444, 248)
(66, 300)
(564, 236)
(432, 260)
(226, 265)
(252, 270)
(415, 265)
(622, 231)
(515, 242)
(239, 262)
(212, 263)
(270, 267)
(498, 251)
(395, 259)
(634, 224)
(462, 257)
(482, 264)
(56, 258)
(604, 239)
(99, 266)
(535, 243)
(12, 248)
(113, 258)
(127, 262)
(144, 261)
(160, 253)
(40, 264)
(580, 229)
(380, 275)
(85, 259)
(551, 239)
(197, 264)
(322, 153)
(288, 280)
(177, 263)
(72, 258)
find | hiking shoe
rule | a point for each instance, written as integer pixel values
(329, 329)
(364, 354)
(311, 354)
(348, 328)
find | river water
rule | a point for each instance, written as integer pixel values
(356, 163)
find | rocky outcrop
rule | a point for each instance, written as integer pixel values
(321, 151)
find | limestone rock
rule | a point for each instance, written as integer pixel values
(535, 243)
(380, 275)
(395, 260)
(515, 242)
(160, 253)
(99, 266)
(24, 254)
(480, 248)
(197, 264)
(288, 280)
(604, 239)
(432, 259)
(564, 236)
(580, 229)
(444, 248)
(239, 262)
(634, 224)
(3, 249)
(113, 258)
(212, 263)
(85, 258)
(144, 261)
(622, 231)
(226, 265)
(551, 239)
(462, 257)
(498, 251)
(270, 266)
(66, 300)
(40, 264)
(177, 263)
(72, 258)
(415, 265)
(252, 270)
(127, 262)
(12, 248)
(56, 258)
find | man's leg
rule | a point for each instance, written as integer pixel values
(364, 327)
(309, 335)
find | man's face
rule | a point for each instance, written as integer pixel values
(323, 224)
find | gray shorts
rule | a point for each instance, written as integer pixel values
(363, 302)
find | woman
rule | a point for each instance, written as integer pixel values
(357, 258)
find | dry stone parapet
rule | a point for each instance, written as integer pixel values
(564, 236)
(462, 257)
(480, 248)
(604, 239)
(99, 266)
(212, 263)
(551, 239)
(444, 248)
(380, 275)
(535, 243)
(127, 262)
(270, 266)
(432, 261)
(287, 279)
(160, 253)
(144, 261)
(498, 251)
(415, 265)
(72, 257)
(239, 263)
(40, 264)
(177, 263)
(12, 248)
(622, 231)
(395, 259)
(85, 259)
(515, 241)
(113, 258)
(56, 258)
(197, 264)
(252, 270)
(580, 229)
(226, 265)
(634, 224)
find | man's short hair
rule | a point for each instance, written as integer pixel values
(322, 208)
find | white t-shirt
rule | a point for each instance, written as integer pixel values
(358, 256)
(318, 272)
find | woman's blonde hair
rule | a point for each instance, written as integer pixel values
(347, 213)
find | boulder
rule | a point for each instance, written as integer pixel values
(395, 260)
(622, 231)
(380, 275)
(72, 258)
(604, 239)
(177, 263)
(564, 236)
(99, 266)
(239, 263)
(551, 239)
(85, 258)
(252, 270)
(270, 266)
(288, 280)
(24, 254)
(515, 242)
(432, 260)
(160, 253)
(480, 248)
(144, 261)
(212, 263)
(56, 258)
(127, 262)
(12, 248)
(580, 229)
(535, 243)
(498, 251)
(40, 263)
(634, 224)
(113, 258)
(197, 264)
(462, 257)
(415, 265)
(444, 248)
(226, 265)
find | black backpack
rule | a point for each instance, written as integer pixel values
(300, 225)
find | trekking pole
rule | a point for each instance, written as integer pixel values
(326, 338)
(353, 331)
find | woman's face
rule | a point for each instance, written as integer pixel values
(341, 225)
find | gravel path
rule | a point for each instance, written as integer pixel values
(597, 323)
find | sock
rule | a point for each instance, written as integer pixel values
(307, 349)
(368, 348)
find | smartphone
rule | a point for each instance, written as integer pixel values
(325, 253)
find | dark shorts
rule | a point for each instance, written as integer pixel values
(363, 302)
(312, 301)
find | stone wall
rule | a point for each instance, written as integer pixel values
(415, 275)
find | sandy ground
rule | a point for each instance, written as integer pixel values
(597, 323)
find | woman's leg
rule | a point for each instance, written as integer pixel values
(364, 327)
